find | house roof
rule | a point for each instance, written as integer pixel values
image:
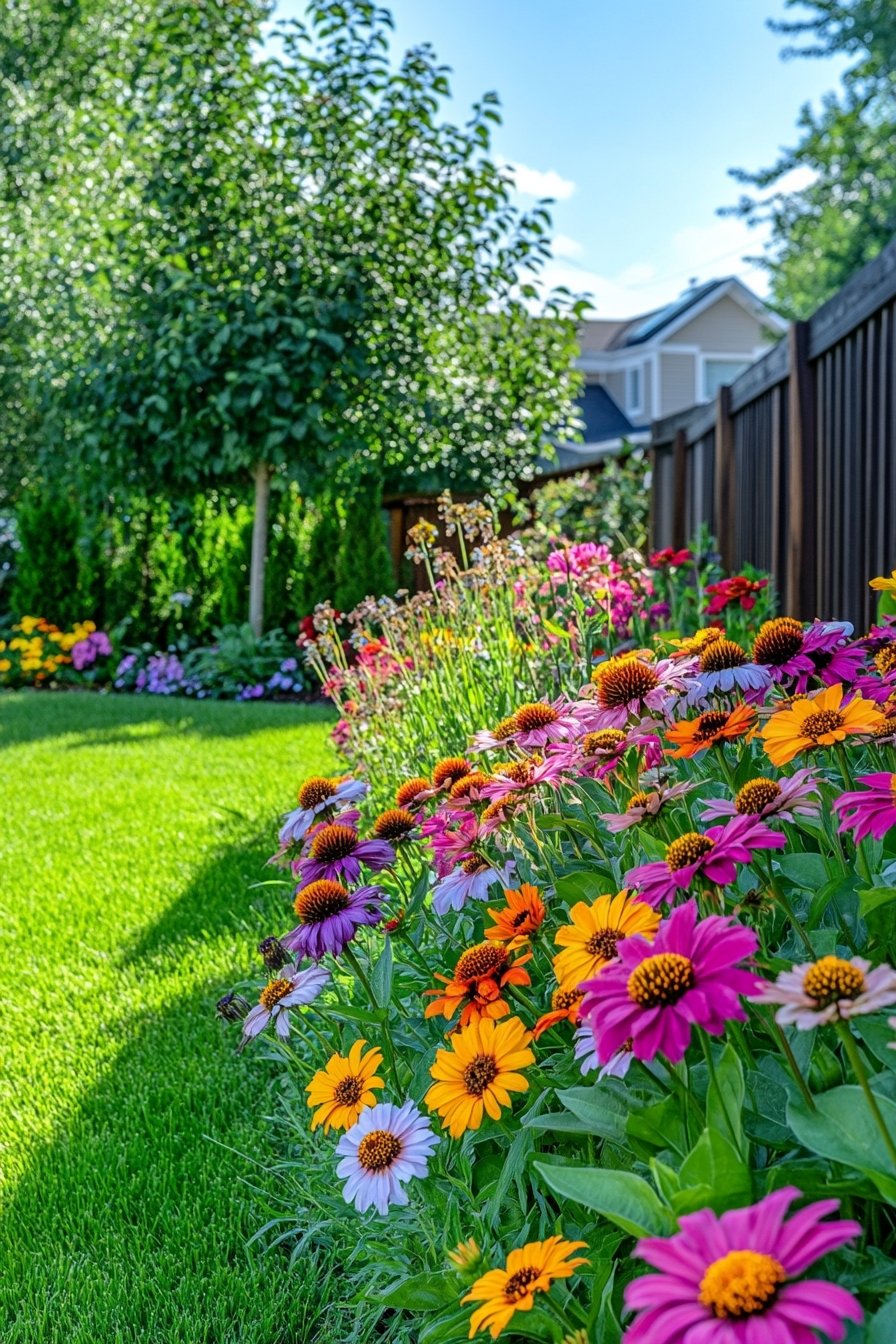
(604, 418)
(605, 334)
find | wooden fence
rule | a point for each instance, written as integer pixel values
(794, 467)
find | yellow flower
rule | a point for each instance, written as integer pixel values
(818, 721)
(27, 624)
(344, 1087)
(883, 584)
(5, 664)
(590, 941)
(466, 1257)
(477, 1075)
(530, 1270)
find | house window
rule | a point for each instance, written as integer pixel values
(633, 390)
(719, 372)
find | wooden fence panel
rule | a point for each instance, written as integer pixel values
(794, 469)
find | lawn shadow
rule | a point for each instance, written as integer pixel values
(130, 1224)
(97, 719)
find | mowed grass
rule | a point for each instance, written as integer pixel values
(131, 832)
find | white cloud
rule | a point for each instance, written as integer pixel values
(564, 246)
(534, 182)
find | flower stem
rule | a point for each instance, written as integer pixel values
(714, 1082)
(787, 908)
(387, 1035)
(787, 1050)
(858, 1068)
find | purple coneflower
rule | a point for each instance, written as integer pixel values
(655, 992)
(528, 775)
(629, 685)
(337, 852)
(330, 916)
(315, 796)
(734, 1279)
(561, 720)
(290, 989)
(870, 811)
(645, 804)
(385, 1147)
(785, 798)
(818, 992)
(714, 855)
(472, 880)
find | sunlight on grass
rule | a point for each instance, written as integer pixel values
(132, 834)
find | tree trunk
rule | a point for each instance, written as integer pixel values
(261, 474)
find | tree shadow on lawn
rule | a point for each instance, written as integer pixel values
(130, 1224)
(29, 716)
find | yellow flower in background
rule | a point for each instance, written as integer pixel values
(883, 584)
(344, 1087)
(5, 664)
(27, 624)
(467, 1258)
(530, 1270)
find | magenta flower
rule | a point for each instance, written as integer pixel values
(549, 771)
(870, 811)
(713, 855)
(453, 839)
(654, 993)
(735, 1279)
(645, 804)
(599, 754)
(784, 798)
(561, 720)
(632, 686)
(337, 852)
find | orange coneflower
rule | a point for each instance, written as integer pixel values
(530, 1270)
(564, 1008)
(477, 1075)
(709, 729)
(479, 976)
(344, 1087)
(818, 721)
(520, 917)
(590, 941)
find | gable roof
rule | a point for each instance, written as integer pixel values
(603, 417)
(602, 334)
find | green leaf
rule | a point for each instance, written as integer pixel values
(882, 1326)
(872, 898)
(806, 871)
(599, 1110)
(581, 887)
(842, 1128)
(422, 1292)
(620, 1196)
(713, 1163)
(381, 979)
(724, 1112)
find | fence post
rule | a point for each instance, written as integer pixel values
(679, 488)
(799, 595)
(724, 478)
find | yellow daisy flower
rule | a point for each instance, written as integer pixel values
(817, 721)
(530, 1270)
(479, 1072)
(589, 942)
(344, 1087)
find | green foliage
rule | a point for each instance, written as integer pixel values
(323, 540)
(825, 230)
(194, 303)
(363, 562)
(48, 573)
(612, 506)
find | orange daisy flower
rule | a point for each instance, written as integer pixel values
(564, 1008)
(710, 729)
(479, 976)
(818, 721)
(530, 1270)
(477, 1075)
(344, 1087)
(589, 942)
(520, 917)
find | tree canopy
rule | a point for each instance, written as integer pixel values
(843, 210)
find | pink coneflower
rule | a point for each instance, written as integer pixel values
(784, 798)
(870, 811)
(472, 880)
(540, 722)
(290, 988)
(330, 916)
(317, 795)
(527, 775)
(337, 852)
(713, 855)
(788, 649)
(645, 804)
(655, 992)
(734, 1279)
(386, 1147)
(818, 992)
(629, 685)
(452, 837)
(600, 753)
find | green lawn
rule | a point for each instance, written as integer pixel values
(131, 831)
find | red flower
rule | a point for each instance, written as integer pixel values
(669, 557)
(737, 589)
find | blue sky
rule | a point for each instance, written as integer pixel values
(630, 113)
